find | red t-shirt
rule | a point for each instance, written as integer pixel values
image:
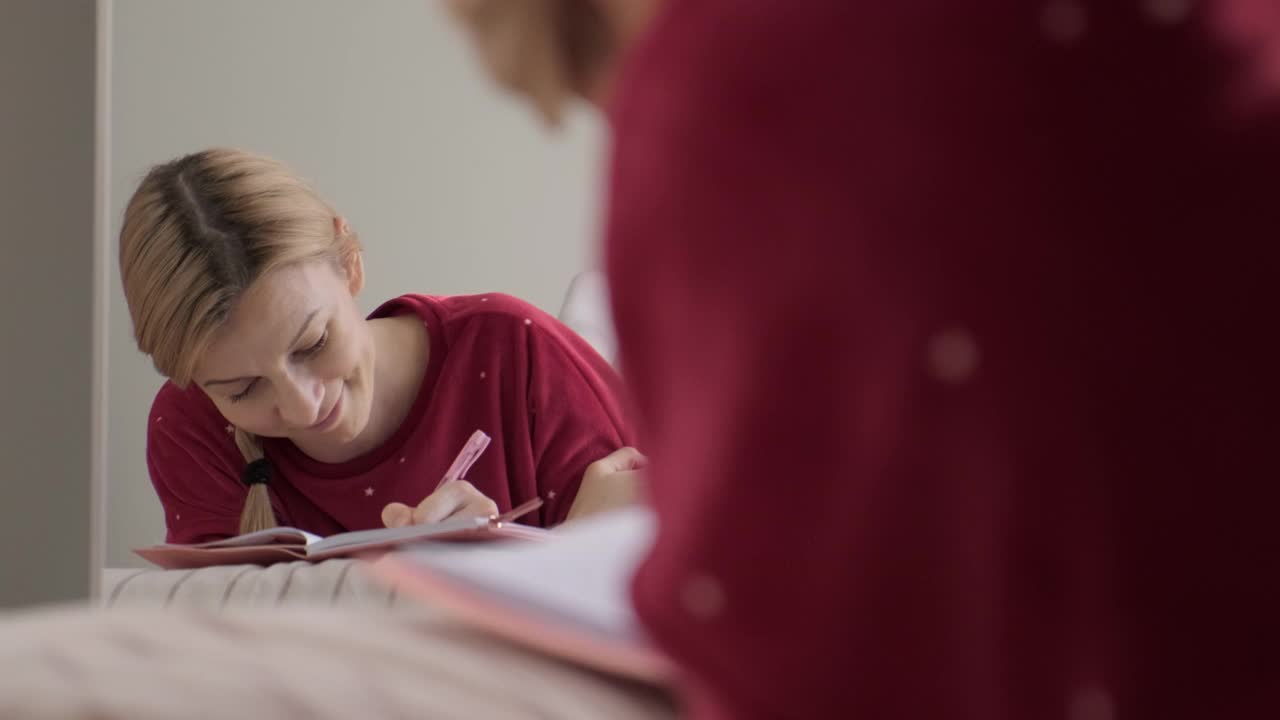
(551, 404)
(951, 325)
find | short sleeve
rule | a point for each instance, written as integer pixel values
(576, 411)
(194, 464)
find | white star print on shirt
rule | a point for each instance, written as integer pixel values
(368, 492)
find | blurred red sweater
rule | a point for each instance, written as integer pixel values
(951, 324)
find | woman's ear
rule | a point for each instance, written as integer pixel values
(341, 229)
(353, 268)
(352, 258)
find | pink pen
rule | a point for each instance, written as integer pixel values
(470, 454)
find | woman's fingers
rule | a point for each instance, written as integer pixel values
(620, 460)
(396, 515)
(458, 498)
(611, 482)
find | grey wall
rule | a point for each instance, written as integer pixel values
(47, 61)
(453, 187)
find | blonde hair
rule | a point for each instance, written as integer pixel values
(198, 231)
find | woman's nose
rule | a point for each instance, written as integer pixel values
(299, 402)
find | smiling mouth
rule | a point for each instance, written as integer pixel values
(331, 418)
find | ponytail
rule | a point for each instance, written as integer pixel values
(257, 513)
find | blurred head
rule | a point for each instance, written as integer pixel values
(552, 51)
(241, 279)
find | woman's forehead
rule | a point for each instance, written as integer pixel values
(270, 317)
(293, 283)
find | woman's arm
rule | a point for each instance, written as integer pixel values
(577, 425)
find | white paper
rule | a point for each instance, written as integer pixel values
(270, 536)
(581, 575)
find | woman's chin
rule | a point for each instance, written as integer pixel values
(350, 431)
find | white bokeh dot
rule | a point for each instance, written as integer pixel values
(1064, 21)
(1168, 12)
(1091, 703)
(953, 355)
(702, 596)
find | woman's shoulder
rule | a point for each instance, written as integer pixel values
(495, 324)
(460, 314)
(185, 412)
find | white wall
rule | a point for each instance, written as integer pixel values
(47, 66)
(452, 187)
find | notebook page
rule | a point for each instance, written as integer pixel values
(580, 576)
(270, 536)
(401, 534)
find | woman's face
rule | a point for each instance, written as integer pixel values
(295, 359)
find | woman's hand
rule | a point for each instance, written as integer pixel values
(458, 498)
(609, 483)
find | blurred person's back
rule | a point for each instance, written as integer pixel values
(951, 324)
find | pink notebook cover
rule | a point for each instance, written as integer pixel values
(175, 557)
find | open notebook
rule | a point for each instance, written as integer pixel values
(568, 596)
(284, 544)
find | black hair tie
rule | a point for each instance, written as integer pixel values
(257, 472)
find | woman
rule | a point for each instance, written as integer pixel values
(241, 282)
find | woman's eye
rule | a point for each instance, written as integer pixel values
(244, 393)
(317, 347)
